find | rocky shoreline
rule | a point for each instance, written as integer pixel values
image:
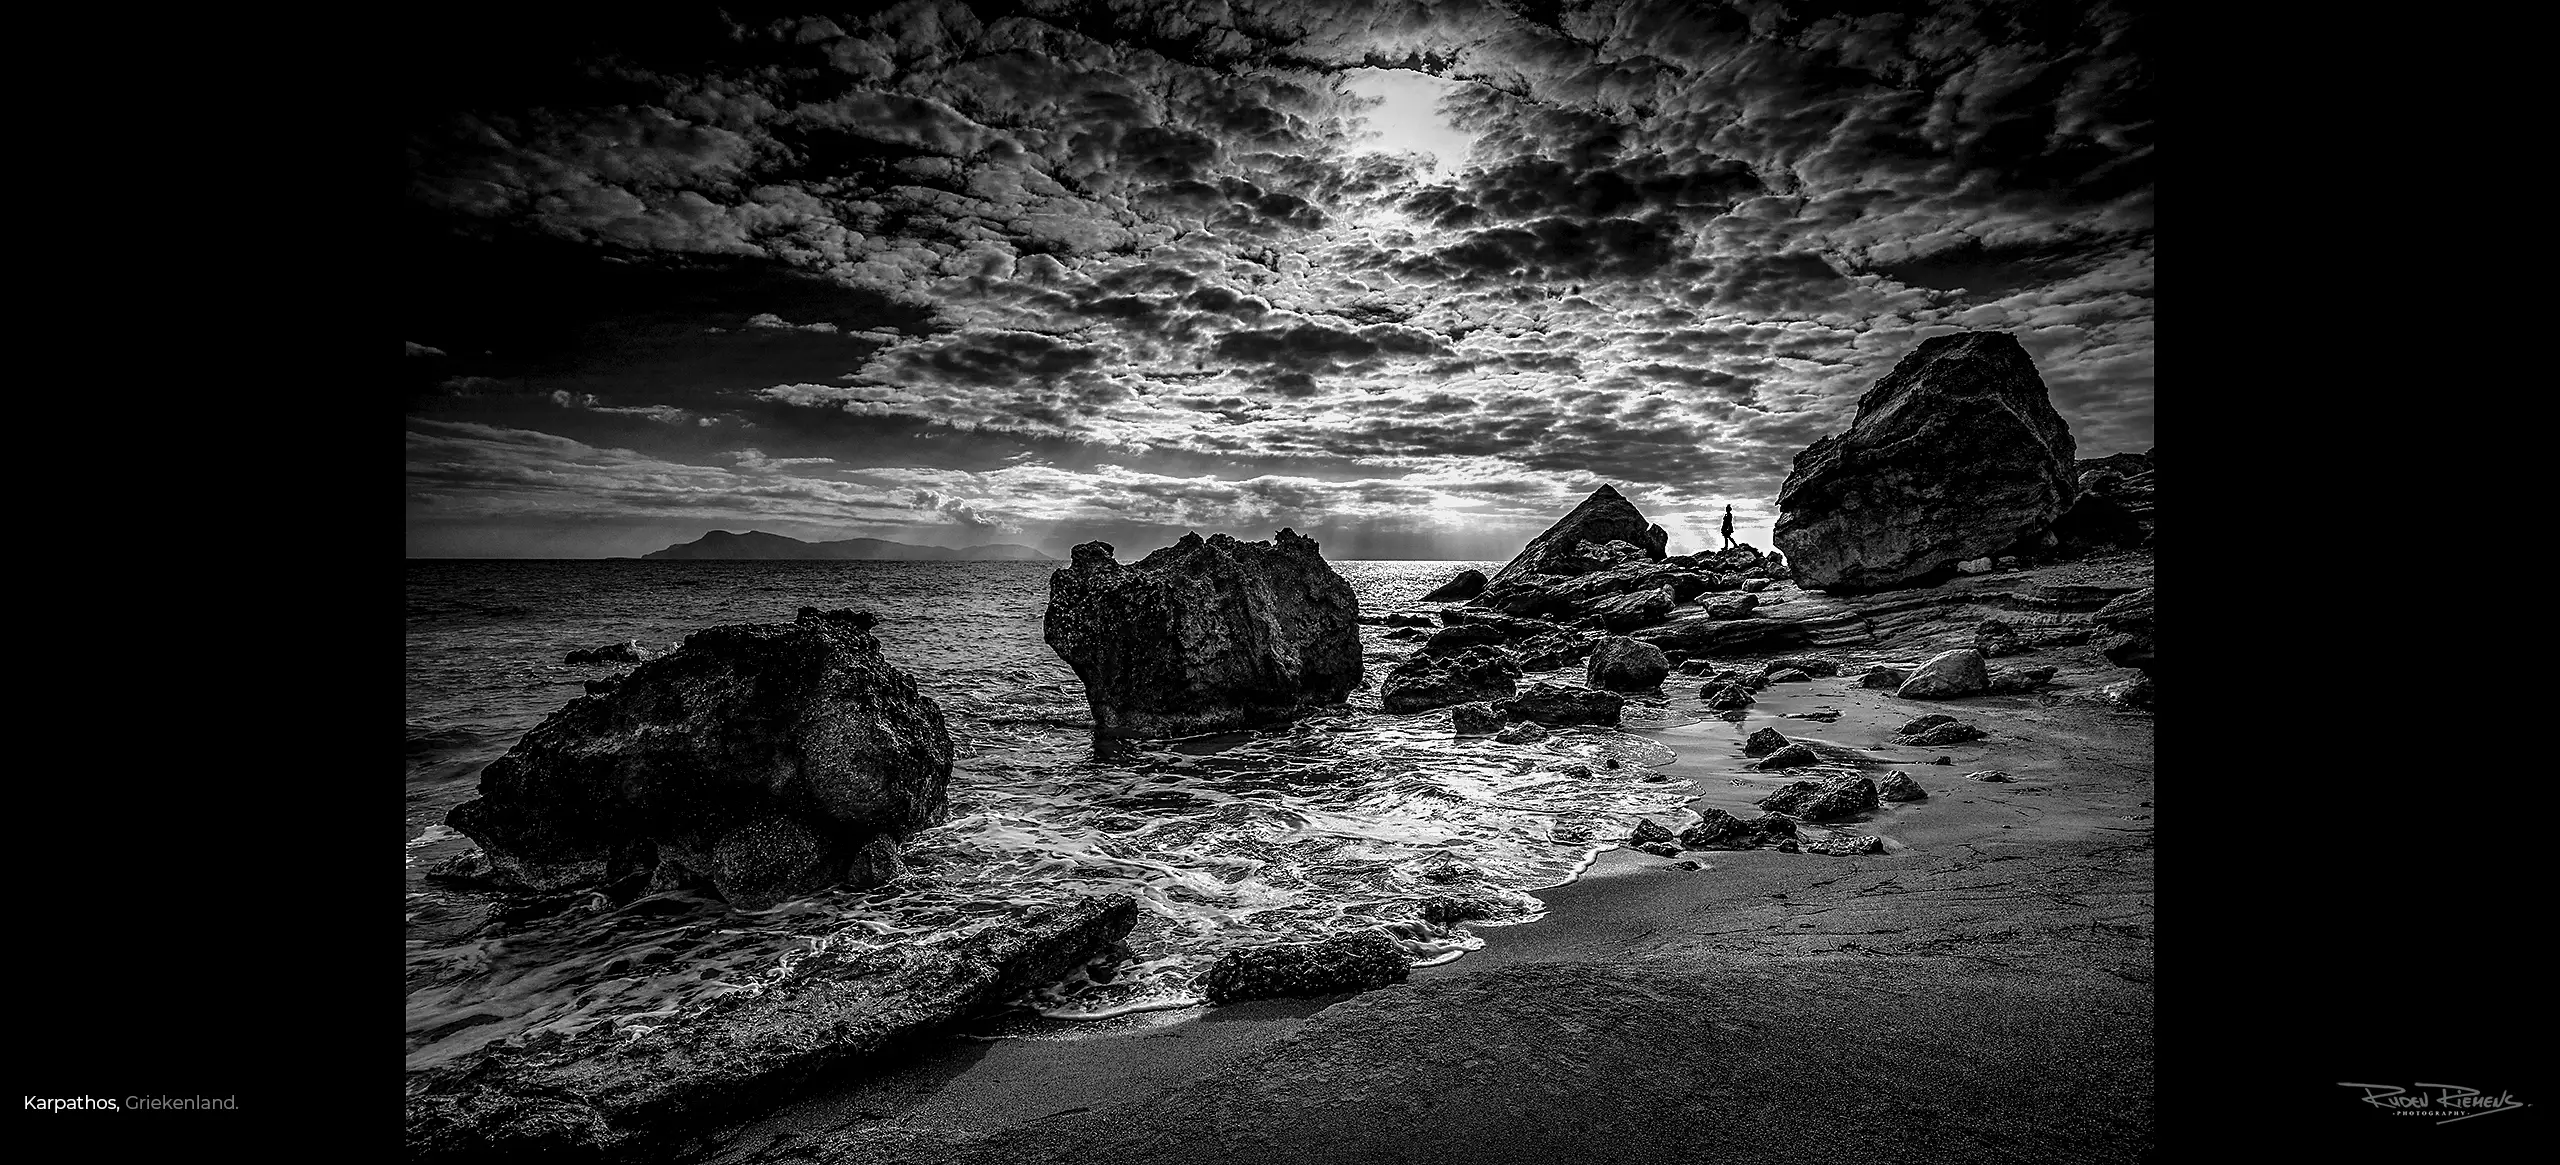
(1953, 583)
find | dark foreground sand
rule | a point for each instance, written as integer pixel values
(1981, 992)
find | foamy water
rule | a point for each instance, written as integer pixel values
(1334, 824)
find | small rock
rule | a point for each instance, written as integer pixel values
(1841, 847)
(1351, 963)
(1991, 775)
(1732, 608)
(1974, 566)
(1898, 786)
(1943, 761)
(2018, 681)
(1827, 801)
(1788, 676)
(1717, 829)
(1788, 757)
(1559, 705)
(1764, 742)
(1467, 585)
(1626, 665)
(1525, 732)
(1753, 586)
(1726, 695)
(1660, 849)
(1884, 677)
(1937, 730)
(1649, 831)
(1811, 665)
(876, 864)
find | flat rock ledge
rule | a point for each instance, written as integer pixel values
(601, 1098)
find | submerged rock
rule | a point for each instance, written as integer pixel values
(1205, 636)
(1955, 454)
(611, 653)
(1449, 909)
(1458, 637)
(760, 759)
(603, 1096)
(1475, 719)
(1948, 675)
(1625, 665)
(1356, 962)
(1425, 681)
(1526, 732)
(1604, 517)
(1556, 704)
(1467, 585)
(858, 620)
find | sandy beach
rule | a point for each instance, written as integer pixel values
(1980, 991)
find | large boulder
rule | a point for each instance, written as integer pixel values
(1427, 680)
(1602, 518)
(1205, 636)
(1946, 676)
(1467, 585)
(757, 759)
(1624, 665)
(1955, 454)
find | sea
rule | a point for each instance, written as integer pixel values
(1337, 823)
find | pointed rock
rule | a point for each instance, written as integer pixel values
(1602, 518)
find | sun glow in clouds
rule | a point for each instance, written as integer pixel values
(1409, 117)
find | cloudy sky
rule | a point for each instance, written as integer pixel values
(1411, 278)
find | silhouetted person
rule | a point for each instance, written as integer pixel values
(1728, 527)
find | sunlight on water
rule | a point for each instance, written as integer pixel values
(1335, 824)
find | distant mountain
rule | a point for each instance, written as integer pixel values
(756, 544)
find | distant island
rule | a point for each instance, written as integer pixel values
(756, 544)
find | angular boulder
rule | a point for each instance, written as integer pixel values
(1955, 454)
(1205, 636)
(1946, 676)
(760, 759)
(1475, 720)
(1764, 742)
(1425, 681)
(1467, 585)
(1602, 518)
(1355, 962)
(1621, 664)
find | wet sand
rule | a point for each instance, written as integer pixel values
(1980, 991)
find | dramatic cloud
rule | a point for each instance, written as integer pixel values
(1414, 274)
